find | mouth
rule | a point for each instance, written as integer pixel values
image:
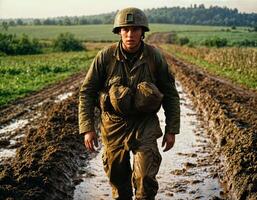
(130, 41)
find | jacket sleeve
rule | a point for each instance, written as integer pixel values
(170, 103)
(88, 94)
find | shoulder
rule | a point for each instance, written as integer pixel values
(104, 55)
(154, 52)
(109, 49)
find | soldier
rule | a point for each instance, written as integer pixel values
(129, 81)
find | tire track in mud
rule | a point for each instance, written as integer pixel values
(229, 114)
(29, 111)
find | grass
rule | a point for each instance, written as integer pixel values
(21, 75)
(82, 32)
(195, 33)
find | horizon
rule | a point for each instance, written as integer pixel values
(29, 8)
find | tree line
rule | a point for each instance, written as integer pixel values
(194, 15)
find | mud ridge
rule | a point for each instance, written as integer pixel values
(230, 116)
(24, 106)
(48, 159)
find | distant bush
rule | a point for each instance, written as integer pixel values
(183, 40)
(67, 42)
(246, 43)
(191, 44)
(216, 42)
(27, 46)
(252, 29)
(12, 45)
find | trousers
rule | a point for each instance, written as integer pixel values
(140, 177)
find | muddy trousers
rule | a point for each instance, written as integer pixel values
(146, 163)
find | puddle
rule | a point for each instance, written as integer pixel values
(13, 126)
(62, 97)
(185, 172)
(95, 183)
(7, 153)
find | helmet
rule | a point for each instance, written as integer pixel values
(148, 98)
(130, 17)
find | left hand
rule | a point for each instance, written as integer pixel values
(169, 140)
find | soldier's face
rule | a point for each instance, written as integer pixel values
(131, 38)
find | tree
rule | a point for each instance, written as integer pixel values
(19, 22)
(12, 23)
(5, 25)
(36, 22)
(49, 21)
(76, 21)
(83, 21)
(67, 21)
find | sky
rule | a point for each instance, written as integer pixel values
(54, 8)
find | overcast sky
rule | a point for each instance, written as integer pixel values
(54, 8)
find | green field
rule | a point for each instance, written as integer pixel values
(196, 34)
(21, 75)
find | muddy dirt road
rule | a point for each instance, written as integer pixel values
(188, 171)
(43, 157)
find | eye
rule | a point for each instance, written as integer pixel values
(125, 29)
(136, 29)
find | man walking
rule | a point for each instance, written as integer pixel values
(129, 81)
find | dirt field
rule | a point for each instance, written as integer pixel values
(50, 151)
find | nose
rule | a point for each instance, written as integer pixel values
(130, 32)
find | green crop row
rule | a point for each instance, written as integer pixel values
(236, 64)
(21, 75)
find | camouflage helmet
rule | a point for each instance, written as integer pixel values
(148, 98)
(130, 17)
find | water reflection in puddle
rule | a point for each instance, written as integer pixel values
(185, 172)
(7, 153)
(62, 97)
(17, 124)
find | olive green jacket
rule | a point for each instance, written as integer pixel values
(110, 65)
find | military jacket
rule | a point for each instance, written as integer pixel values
(110, 66)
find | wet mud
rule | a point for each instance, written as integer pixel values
(229, 114)
(47, 156)
(40, 148)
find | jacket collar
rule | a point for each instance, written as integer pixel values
(118, 54)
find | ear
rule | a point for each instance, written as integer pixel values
(119, 30)
(143, 35)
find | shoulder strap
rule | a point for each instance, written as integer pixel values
(111, 63)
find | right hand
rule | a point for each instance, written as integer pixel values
(90, 141)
